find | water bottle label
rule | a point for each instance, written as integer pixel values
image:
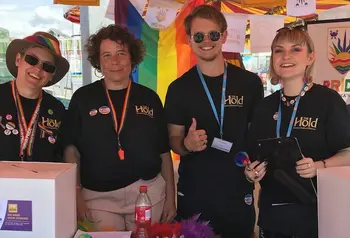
(143, 214)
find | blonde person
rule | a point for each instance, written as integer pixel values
(316, 115)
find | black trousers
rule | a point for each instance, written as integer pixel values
(228, 218)
(290, 221)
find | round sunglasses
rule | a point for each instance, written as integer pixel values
(33, 61)
(198, 37)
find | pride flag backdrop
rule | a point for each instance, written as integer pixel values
(168, 54)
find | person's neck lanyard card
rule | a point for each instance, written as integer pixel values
(218, 143)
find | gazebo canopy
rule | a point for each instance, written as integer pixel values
(260, 7)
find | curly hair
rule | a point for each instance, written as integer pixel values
(118, 34)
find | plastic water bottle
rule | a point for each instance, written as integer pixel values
(143, 213)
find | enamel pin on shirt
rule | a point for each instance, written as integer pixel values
(104, 110)
(93, 112)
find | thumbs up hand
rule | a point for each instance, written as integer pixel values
(196, 140)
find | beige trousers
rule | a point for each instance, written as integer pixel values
(115, 210)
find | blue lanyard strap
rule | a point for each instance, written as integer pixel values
(291, 122)
(223, 97)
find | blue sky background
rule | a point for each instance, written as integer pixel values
(24, 17)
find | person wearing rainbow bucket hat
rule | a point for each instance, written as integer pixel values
(30, 118)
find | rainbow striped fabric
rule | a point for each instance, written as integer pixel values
(48, 42)
(168, 55)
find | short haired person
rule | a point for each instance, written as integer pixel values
(116, 132)
(208, 110)
(30, 118)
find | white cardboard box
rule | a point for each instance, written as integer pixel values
(112, 234)
(37, 200)
(334, 202)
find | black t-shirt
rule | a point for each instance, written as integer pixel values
(143, 137)
(47, 146)
(322, 127)
(211, 169)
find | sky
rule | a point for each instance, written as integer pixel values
(24, 17)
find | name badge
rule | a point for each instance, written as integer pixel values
(222, 145)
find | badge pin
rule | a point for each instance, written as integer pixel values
(50, 112)
(8, 117)
(52, 139)
(248, 199)
(15, 132)
(104, 110)
(275, 116)
(93, 112)
(7, 132)
(10, 125)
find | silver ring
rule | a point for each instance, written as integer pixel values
(308, 165)
(248, 168)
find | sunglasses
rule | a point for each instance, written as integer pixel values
(33, 61)
(198, 37)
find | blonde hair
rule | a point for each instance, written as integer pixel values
(205, 12)
(296, 36)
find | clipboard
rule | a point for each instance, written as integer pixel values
(282, 154)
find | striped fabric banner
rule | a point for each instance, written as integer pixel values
(168, 54)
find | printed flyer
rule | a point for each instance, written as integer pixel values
(16, 215)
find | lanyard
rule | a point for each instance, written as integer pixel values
(122, 120)
(27, 131)
(292, 118)
(223, 97)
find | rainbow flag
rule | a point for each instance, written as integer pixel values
(168, 54)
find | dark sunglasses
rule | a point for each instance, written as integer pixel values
(33, 61)
(198, 37)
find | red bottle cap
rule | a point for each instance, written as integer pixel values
(143, 188)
